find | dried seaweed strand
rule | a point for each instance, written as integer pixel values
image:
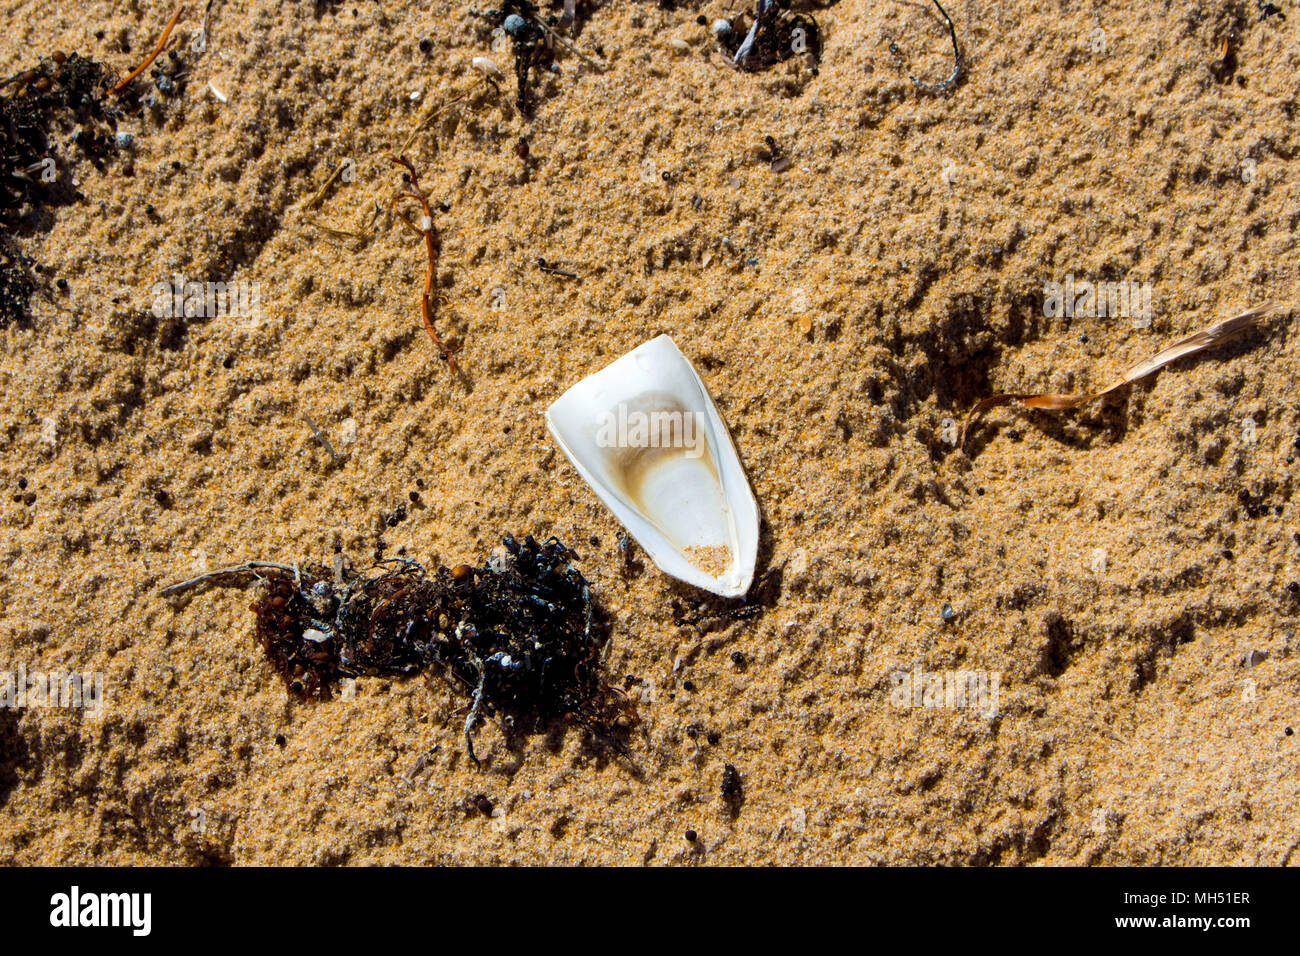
(1196, 342)
(367, 229)
(162, 45)
(425, 229)
(956, 53)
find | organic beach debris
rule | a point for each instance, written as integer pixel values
(153, 55)
(58, 94)
(414, 192)
(774, 34)
(956, 56)
(521, 636)
(1216, 334)
(61, 95)
(533, 39)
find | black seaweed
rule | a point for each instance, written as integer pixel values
(773, 35)
(59, 93)
(520, 635)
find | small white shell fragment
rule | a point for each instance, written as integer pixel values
(348, 431)
(311, 634)
(221, 97)
(645, 434)
(485, 65)
(679, 44)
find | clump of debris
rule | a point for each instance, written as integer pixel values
(63, 94)
(521, 635)
(774, 34)
(521, 21)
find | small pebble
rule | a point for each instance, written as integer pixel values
(515, 25)
(125, 140)
(721, 27)
(947, 613)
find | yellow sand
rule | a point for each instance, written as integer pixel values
(1084, 555)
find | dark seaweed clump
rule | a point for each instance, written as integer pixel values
(521, 21)
(17, 284)
(773, 35)
(520, 636)
(61, 93)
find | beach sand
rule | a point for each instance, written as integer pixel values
(1125, 572)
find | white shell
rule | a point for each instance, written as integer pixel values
(486, 65)
(645, 434)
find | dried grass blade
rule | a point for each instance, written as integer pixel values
(1196, 342)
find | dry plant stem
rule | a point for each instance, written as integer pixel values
(162, 45)
(1196, 342)
(434, 114)
(249, 567)
(321, 437)
(366, 230)
(323, 186)
(568, 46)
(426, 309)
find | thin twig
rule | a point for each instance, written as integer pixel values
(324, 186)
(568, 46)
(249, 567)
(321, 437)
(162, 45)
(477, 704)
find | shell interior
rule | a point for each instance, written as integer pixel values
(645, 434)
